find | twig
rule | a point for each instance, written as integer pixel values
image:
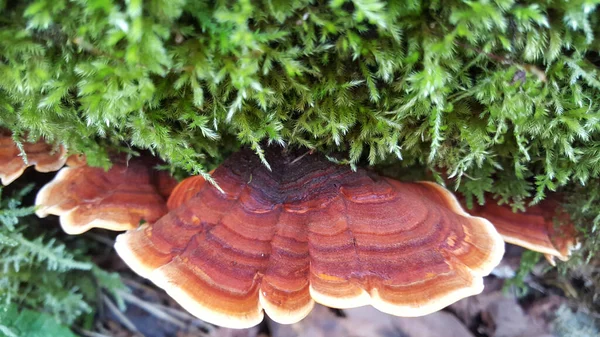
(185, 316)
(140, 286)
(113, 308)
(541, 75)
(173, 311)
(535, 285)
(88, 333)
(302, 156)
(153, 309)
(101, 238)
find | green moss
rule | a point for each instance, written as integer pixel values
(29, 323)
(46, 283)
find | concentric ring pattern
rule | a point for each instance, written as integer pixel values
(118, 199)
(544, 227)
(43, 156)
(310, 230)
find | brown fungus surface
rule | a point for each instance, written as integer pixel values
(310, 230)
(44, 157)
(186, 189)
(87, 197)
(544, 227)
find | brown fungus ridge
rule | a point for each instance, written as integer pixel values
(544, 227)
(310, 230)
(85, 197)
(44, 157)
(185, 190)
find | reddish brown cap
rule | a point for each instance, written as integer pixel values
(544, 227)
(118, 199)
(185, 190)
(307, 231)
(44, 157)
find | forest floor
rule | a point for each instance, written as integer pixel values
(549, 308)
(553, 304)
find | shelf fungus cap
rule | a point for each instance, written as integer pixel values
(185, 190)
(307, 231)
(545, 227)
(44, 157)
(85, 197)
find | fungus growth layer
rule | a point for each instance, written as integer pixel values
(310, 230)
(118, 199)
(544, 228)
(43, 156)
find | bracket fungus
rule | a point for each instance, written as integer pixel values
(543, 227)
(310, 230)
(118, 199)
(43, 156)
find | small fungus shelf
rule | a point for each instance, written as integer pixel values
(118, 199)
(44, 157)
(544, 228)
